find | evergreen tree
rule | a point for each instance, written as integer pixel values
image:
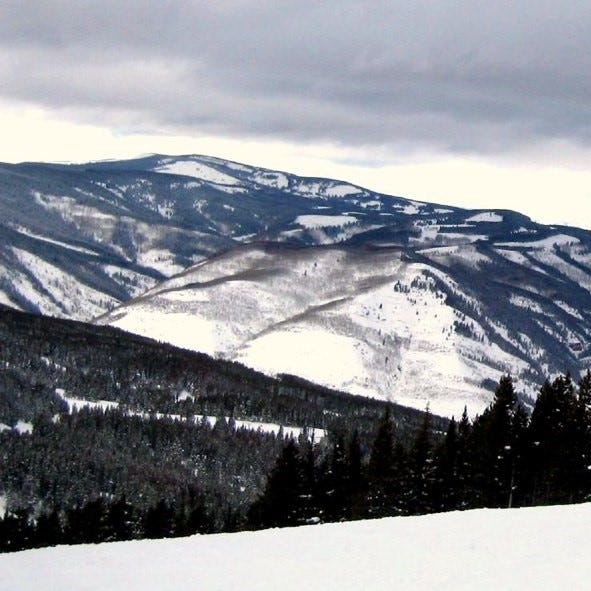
(48, 531)
(446, 471)
(384, 494)
(123, 523)
(549, 448)
(160, 521)
(421, 474)
(356, 484)
(281, 503)
(493, 454)
(464, 494)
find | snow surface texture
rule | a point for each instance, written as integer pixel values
(536, 549)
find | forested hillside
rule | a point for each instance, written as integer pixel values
(94, 415)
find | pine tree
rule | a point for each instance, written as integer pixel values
(421, 470)
(356, 485)
(48, 531)
(446, 471)
(464, 494)
(492, 448)
(384, 496)
(549, 448)
(281, 503)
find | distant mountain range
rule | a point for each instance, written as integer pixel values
(352, 289)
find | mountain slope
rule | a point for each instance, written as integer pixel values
(76, 240)
(483, 549)
(417, 325)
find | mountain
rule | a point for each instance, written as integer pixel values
(415, 324)
(485, 549)
(373, 294)
(76, 240)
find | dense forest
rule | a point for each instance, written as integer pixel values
(153, 426)
(503, 458)
(157, 446)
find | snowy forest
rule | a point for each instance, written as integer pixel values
(503, 458)
(109, 436)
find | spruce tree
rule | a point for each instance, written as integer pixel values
(281, 502)
(383, 490)
(421, 470)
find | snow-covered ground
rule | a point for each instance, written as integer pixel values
(537, 549)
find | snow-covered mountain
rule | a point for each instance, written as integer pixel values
(76, 240)
(511, 549)
(386, 293)
(413, 324)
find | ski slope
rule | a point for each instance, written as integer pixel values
(539, 549)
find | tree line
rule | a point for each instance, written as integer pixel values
(503, 458)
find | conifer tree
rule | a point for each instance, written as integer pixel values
(281, 503)
(421, 469)
(356, 485)
(383, 490)
(446, 471)
(492, 448)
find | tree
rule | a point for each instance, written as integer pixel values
(281, 502)
(549, 452)
(383, 472)
(493, 453)
(446, 471)
(421, 470)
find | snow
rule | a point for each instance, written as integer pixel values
(197, 170)
(182, 330)
(309, 188)
(4, 299)
(26, 232)
(412, 209)
(230, 190)
(342, 190)
(486, 216)
(527, 303)
(314, 354)
(568, 309)
(541, 549)
(271, 179)
(23, 427)
(78, 299)
(334, 319)
(320, 221)
(160, 259)
(236, 166)
(76, 404)
(544, 243)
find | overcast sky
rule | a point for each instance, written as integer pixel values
(473, 103)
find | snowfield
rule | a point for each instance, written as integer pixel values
(538, 549)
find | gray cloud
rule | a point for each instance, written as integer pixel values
(477, 77)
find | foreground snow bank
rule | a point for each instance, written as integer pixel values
(521, 549)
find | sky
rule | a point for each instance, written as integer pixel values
(471, 103)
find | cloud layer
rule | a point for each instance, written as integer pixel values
(477, 77)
